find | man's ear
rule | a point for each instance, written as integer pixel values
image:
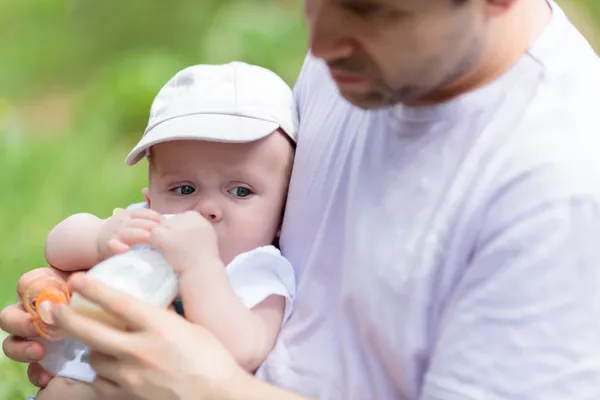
(146, 194)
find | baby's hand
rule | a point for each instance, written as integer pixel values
(186, 240)
(125, 229)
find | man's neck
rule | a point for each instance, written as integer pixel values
(509, 38)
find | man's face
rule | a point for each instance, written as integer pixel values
(383, 52)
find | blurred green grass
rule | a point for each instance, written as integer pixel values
(75, 90)
(47, 181)
(76, 82)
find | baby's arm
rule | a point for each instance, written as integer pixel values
(64, 388)
(209, 300)
(83, 240)
(72, 245)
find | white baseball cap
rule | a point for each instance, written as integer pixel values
(231, 103)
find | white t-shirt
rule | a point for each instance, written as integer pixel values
(254, 276)
(449, 252)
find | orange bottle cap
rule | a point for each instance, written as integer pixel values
(39, 299)
(47, 299)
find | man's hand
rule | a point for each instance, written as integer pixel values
(161, 356)
(19, 324)
(186, 240)
(125, 229)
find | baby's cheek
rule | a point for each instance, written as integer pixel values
(166, 206)
(226, 245)
(240, 239)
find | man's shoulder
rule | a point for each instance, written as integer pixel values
(549, 162)
(553, 152)
(550, 156)
(570, 86)
(559, 130)
(561, 126)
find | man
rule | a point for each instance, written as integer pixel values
(443, 215)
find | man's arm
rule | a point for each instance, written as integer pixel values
(524, 323)
(250, 388)
(65, 388)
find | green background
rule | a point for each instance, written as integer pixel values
(76, 82)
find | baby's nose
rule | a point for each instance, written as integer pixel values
(210, 210)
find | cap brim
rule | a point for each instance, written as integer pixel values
(209, 127)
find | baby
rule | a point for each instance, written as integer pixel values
(219, 144)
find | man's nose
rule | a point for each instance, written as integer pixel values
(329, 37)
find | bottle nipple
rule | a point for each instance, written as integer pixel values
(117, 211)
(40, 298)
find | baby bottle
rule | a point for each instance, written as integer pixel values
(142, 272)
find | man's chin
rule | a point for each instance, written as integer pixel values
(366, 100)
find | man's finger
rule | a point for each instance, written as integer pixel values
(27, 278)
(16, 321)
(22, 350)
(38, 376)
(135, 313)
(91, 332)
(112, 373)
(106, 389)
(107, 367)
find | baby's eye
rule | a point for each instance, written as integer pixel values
(184, 190)
(240, 191)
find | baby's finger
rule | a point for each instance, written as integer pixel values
(140, 223)
(146, 213)
(160, 237)
(117, 247)
(133, 236)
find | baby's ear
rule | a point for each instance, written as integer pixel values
(146, 194)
